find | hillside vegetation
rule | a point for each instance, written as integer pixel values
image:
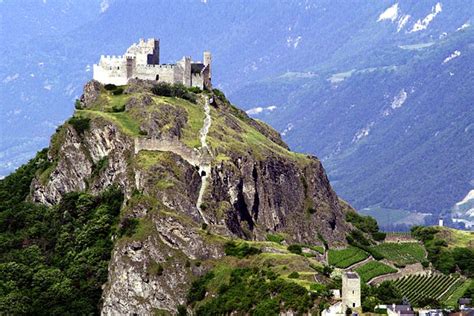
(448, 249)
(53, 260)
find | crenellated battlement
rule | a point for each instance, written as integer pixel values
(141, 60)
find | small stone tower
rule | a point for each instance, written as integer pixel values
(207, 59)
(351, 289)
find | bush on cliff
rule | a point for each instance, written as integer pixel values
(174, 90)
(240, 250)
(80, 124)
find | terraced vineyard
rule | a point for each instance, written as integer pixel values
(417, 287)
(372, 269)
(401, 254)
(346, 257)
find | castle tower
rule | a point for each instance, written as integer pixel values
(154, 57)
(207, 59)
(351, 289)
(186, 64)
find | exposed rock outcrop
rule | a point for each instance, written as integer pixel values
(91, 93)
(255, 186)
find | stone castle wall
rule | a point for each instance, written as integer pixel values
(142, 61)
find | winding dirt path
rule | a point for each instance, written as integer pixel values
(204, 165)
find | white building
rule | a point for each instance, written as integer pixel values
(350, 295)
(351, 289)
(142, 61)
(337, 309)
(400, 310)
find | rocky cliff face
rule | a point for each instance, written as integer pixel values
(253, 186)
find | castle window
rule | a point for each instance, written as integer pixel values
(353, 304)
(157, 77)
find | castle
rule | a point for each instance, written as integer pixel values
(142, 61)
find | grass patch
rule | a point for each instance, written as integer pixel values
(275, 238)
(373, 269)
(346, 257)
(240, 250)
(123, 120)
(144, 229)
(195, 122)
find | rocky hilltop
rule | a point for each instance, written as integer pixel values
(195, 172)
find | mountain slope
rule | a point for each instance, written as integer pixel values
(193, 198)
(394, 128)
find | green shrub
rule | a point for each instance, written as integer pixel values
(240, 250)
(197, 292)
(177, 90)
(110, 87)
(78, 104)
(142, 132)
(327, 270)
(117, 91)
(366, 224)
(379, 236)
(296, 249)
(80, 124)
(128, 227)
(182, 311)
(100, 166)
(196, 90)
(163, 89)
(155, 268)
(277, 238)
(317, 287)
(357, 238)
(118, 108)
(294, 275)
(323, 240)
(220, 95)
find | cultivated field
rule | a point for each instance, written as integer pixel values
(401, 254)
(417, 287)
(372, 269)
(346, 257)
